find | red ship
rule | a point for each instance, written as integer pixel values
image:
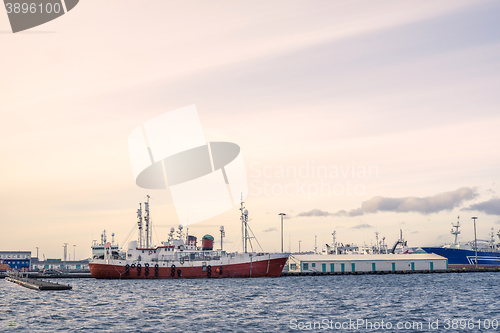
(177, 258)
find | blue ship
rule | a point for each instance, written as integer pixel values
(464, 255)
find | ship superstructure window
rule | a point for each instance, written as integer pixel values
(293, 267)
(313, 264)
(305, 266)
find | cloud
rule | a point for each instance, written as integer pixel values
(270, 230)
(427, 205)
(315, 212)
(319, 212)
(492, 191)
(490, 207)
(362, 226)
(414, 232)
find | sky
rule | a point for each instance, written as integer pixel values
(352, 116)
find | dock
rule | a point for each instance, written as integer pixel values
(449, 270)
(37, 284)
(38, 275)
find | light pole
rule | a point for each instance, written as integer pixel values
(475, 237)
(74, 251)
(282, 214)
(299, 245)
(37, 252)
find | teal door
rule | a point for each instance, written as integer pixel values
(353, 267)
(412, 266)
(332, 266)
(432, 265)
(373, 267)
(323, 268)
(342, 267)
(393, 266)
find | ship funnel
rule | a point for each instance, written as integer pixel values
(207, 243)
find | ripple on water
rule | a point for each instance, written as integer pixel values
(246, 305)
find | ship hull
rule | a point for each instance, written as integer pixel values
(460, 258)
(268, 267)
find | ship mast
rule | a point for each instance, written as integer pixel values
(456, 232)
(146, 208)
(244, 225)
(245, 228)
(334, 234)
(492, 239)
(139, 224)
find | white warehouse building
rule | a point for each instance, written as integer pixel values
(304, 263)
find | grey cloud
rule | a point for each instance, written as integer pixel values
(427, 205)
(490, 207)
(315, 212)
(362, 226)
(270, 230)
(356, 212)
(319, 212)
(339, 213)
(490, 190)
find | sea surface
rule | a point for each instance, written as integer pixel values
(466, 302)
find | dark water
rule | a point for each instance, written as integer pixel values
(287, 304)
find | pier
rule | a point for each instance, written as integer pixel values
(450, 270)
(37, 275)
(37, 284)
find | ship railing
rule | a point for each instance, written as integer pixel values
(198, 256)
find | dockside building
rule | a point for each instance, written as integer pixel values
(366, 263)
